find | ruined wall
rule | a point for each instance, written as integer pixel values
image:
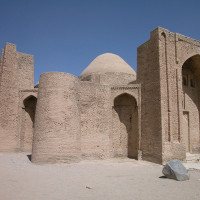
(57, 121)
(76, 118)
(101, 136)
(26, 112)
(16, 73)
(109, 78)
(1, 63)
(26, 71)
(148, 74)
(117, 78)
(9, 100)
(96, 121)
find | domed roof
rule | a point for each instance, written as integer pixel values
(108, 62)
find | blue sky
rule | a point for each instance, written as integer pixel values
(66, 35)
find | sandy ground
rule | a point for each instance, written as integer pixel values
(117, 179)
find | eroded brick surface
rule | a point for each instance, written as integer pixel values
(108, 111)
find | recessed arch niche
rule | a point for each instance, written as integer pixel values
(125, 126)
(27, 123)
(191, 103)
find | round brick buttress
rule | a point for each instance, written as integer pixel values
(57, 127)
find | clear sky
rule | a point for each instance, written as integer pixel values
(66, 35)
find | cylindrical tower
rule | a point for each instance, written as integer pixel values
(57, 126)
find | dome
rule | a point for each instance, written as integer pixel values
(108, 62)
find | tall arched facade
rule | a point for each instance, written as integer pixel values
(168, 70)
(190, 103)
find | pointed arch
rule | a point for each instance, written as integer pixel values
(189, 56)
(27, 96)
(191, 103)
(124, 93)
(27, 122)
(128, 100)
(125, 126)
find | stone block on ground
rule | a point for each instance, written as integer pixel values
(174, 169)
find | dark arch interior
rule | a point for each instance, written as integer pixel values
(127, 122)
(28, 119)
(191, 103)
(30, 106)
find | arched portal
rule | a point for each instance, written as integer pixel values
(27, 126)
(125, 126)
(191, 103)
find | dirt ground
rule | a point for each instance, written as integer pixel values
(116, 179)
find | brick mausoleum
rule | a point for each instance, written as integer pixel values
(109, 110)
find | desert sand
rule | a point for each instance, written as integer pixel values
(116, 179)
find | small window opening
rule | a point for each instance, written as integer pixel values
(185, 82)
(192, 83)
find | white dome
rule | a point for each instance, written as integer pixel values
(108, 62)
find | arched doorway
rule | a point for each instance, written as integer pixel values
(191, 103)
(125, 126)
(27, 126)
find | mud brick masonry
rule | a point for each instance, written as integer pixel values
(109, 110)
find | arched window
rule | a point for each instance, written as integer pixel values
(192, 83)
(185, 82)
